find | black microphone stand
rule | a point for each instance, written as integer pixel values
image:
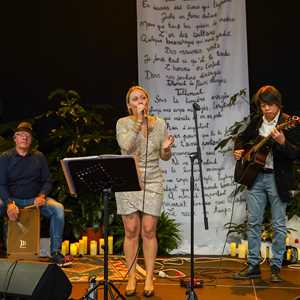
(191, 295)
(196, 108)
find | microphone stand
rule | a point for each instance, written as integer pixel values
(191, 295)
(196, 108)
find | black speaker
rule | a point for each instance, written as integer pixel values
(33, 280)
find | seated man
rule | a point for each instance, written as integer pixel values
(25, 180)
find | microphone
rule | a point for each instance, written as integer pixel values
(145, 114)
(196, 106)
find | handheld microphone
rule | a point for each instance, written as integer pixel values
(196, 106)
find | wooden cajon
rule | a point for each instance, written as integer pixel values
(23, 235)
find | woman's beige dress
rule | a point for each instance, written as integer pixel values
(132, 143)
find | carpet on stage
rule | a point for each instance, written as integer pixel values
(87, 266)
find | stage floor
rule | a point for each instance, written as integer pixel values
(213, 272)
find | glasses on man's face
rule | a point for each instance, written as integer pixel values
(23, 135)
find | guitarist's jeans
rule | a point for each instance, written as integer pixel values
(263, 190)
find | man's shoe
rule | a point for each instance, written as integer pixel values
(60, 260)
(275, 274)
(250, 272)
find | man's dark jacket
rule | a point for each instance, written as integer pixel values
(283, 155)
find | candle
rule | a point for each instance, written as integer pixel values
(110, 244)
(73, 249)
(298, 250)
(232, 249)
(101, 246)
(81, 247)
(93, 248)
(67, 243)
(289, 254)
(242, 251)
(85, 242)
(64, 249)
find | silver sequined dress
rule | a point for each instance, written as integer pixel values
(132, 143)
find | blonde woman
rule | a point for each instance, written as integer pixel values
(147, 138)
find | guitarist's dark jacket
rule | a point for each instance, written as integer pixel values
(283, 155)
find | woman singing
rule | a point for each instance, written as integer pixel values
(146, 138)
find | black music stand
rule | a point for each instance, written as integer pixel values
(106, 174)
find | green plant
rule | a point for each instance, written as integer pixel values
(239, 231)
(74, 131)
(168, 234)
(236, 231)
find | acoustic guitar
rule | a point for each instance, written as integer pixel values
(253, 161)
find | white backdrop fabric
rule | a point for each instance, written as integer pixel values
(196, 52)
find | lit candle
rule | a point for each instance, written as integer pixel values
(289, 254)
(85, 241)
(110, 244)
(242, 251)
(73, 249)
(67, 243)
(233, 249)
(64, 249)
(101, 246)
(93, 248)
(81, 247)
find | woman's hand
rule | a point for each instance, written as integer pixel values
(168, 142)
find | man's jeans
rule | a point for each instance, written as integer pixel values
(52, 210)
(263, 190)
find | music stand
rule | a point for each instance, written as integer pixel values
(106, 174)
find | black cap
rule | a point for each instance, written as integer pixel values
(24, 126)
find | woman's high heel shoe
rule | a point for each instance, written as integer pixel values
(148, 293)
(131, 292)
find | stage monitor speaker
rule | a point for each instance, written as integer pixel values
(33, 280)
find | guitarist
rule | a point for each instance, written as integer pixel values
(273, 181)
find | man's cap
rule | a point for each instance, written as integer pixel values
(24, 126)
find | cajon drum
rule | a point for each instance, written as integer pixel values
(23, 235)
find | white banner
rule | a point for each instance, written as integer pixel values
(196, 52)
